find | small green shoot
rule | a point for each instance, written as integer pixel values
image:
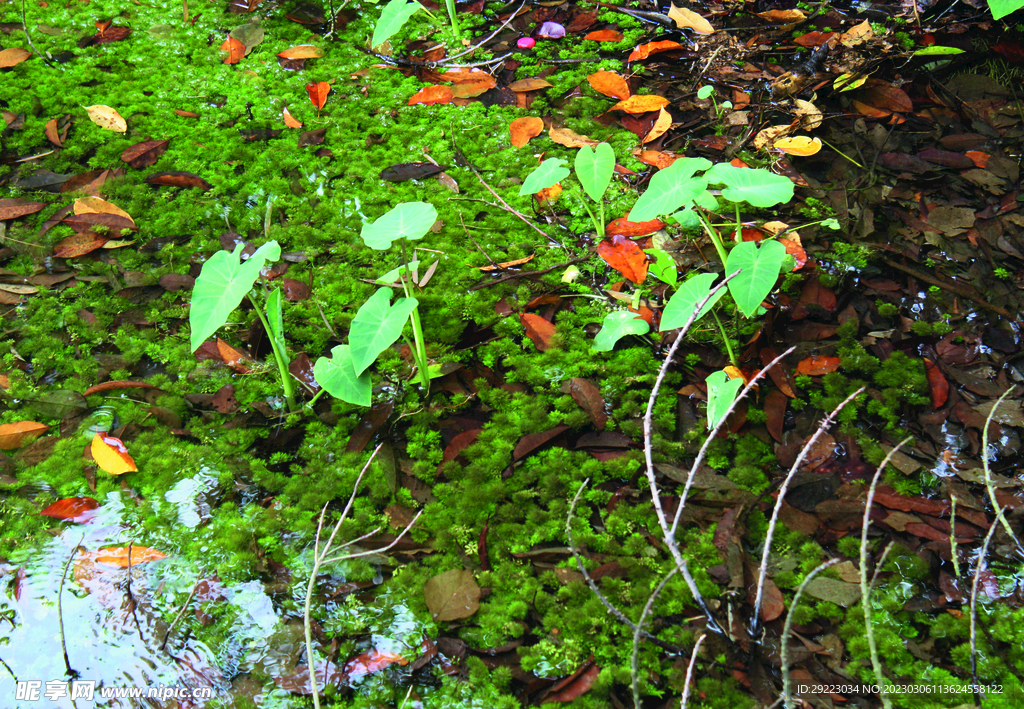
(616, 326)
(721, 393)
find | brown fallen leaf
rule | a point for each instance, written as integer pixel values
(529, 84)
(20, 433)
(452, 595)
(569, 138)
(13, 56)
(14, 208)
(539, 330)
(522, 130)
(145, 154)
(178, 178)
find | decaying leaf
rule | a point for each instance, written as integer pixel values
(145, 154)
(106, 117)
(570, 138)
(14, 208)
(452, 595)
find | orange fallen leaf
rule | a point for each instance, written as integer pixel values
(78, 245)
(235, 49)
(432, 95)
(318, 91)
(507, 264)
(624, 256)
(654, 158)
(549, 195)
(16, 434)
(70, 507)
(232, 357)
(610, 84)
(641, 104)
(370, 662)
(797, 251)
(303, 51)
(604, 36)
(661, 125)
(539, 330)
(13, 56)
(645, 50)
(530, 83)
(469, 76)
(623, 227)
(570, 138)
(979, 158)
(523, 129)
(937, 383)
(111, 455)
(119, 556)
(290, 120)
(782, 17)
(816, 365)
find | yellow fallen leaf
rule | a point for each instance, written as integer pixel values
(95, 205)
(661, 125)
(111, 455)
(801, 145)
(303, 51)
(570, 138)
(106, 117)
(119, 556)
(689, 18)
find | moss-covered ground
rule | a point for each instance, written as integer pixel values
(231, 493)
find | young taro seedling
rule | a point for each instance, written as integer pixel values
(397, 12)
(594, 168)
(222, 283)
(379, 323)
(675, 191)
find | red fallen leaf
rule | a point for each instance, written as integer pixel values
(531, 442)
(775, 404)
(318, 91)
(750, 234)
(625, 257)
(232, 357)
(817, 365)
(1010, 51)
(178, 178)
(979, 158)
(796, 251)
(120, 384)
(70, 507)
(372, 661)
(14, 208)
(432, 95)
(16, 434)
(539, 330)
(588, 396)
(458, 444)
(604, 36)
(938, 384)
(645, 314)
(813, 39)
(78, 245)
(645, 50)
(575, 685)
(886, 98)
(235, 50)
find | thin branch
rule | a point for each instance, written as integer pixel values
(989, 485)
(787, 694)
(689, 671)
(170, 629)
(974, 608)
(60, 611)
(511, 210)
(634, 667)
(763, 570)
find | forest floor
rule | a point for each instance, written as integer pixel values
(159, 499)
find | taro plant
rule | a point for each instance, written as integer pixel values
(594, 168)
(223, 281)
(379, 322)
(397, 12)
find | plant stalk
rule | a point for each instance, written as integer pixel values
(280, 356)
(725, 339)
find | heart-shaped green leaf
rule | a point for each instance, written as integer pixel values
(221, 285)
(594, 168)
(662, 266)
(376, 327)
(408, 220)
(337, 375)
(671, 189)
(721, 393)
(395, 14)
(758, 188)
(616, 326)
(684, 301)
(759, 269)
(548, 173)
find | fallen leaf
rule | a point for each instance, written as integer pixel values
(235, 49)
(78, 245)
(507, 264)
(529, 84)
(238, 361)
(111, 455)
(569, 138)
(575, 685)
(817, 365)
(588, 396)
(302, 51)
(641, 104)
(624, 256)
(604, 36)
(782, 17)
(654, 158)
(794, 249)
(123, 557)
(145, 154)
(522, 130)
(107, 118)
(610, 84)
(318, 91)
(56, 130)
(14, 208)
(452, 595)
(13, 56)
(117, 386)
(95, 205)
(290, 120)
(371, 662)
(177, 178)
(937, 383)
(688, 18)
(645, 50)
(19, 433)
(432, 95)
(886, 97)
(549, 195)
(539, 330)
(661, 125)
(70, 507)
(623, 227)
(800, 145)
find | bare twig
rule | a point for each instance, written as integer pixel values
(689, 671)
(28, 38)
(865, 589)
(988, 472)
(320, 558)
(60, 611)
(512, 210)
(763, 570)
(170, 629)
(634, 668)
(974, 607)
(787, 694)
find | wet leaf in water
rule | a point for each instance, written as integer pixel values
(70, 507)
(111, 455)
(452, 595)
(119, 556)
